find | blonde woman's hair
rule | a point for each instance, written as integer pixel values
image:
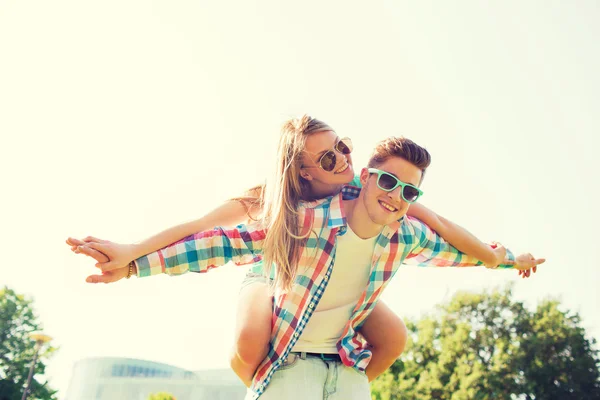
(282, 196)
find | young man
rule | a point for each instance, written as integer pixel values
(315, 350)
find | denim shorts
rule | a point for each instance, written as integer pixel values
(302, 377)
(253, 277)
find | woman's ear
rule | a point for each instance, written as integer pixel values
(304, 174)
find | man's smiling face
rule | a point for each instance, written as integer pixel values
(384, 207)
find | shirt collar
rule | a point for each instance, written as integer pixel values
(336, 217)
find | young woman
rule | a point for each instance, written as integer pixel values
(313, 163)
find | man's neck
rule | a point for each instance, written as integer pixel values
(359, 220)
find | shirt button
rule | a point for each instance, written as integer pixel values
(296, 334)
(311, 305)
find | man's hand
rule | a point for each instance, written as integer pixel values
(110, 256)
(108, 277)
(526, 263)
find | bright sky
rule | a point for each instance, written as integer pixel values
(122, 118)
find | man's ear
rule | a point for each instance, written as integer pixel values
(304, 174)
(364, 176)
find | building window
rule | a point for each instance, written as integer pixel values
(118, 370)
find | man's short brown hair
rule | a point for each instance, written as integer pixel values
(403, 148)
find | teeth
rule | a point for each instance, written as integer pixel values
(345, 167)
(387, 206)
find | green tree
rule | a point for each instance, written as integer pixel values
(17, 320)
(161, 396)
(489, 346)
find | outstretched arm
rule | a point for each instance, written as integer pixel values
(196, 253)
(230, 213)
(430, 249)
(457, 236)
(205, 250)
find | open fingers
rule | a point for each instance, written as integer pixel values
(108, 266)
(94, 239)
(95, 254)
(101, 247)
(105, 278)
(108, 277)
(74, 242)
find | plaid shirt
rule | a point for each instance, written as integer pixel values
(406, 241)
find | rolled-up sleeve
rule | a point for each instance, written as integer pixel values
(203, 251)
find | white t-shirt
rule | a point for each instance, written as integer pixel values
(348, 281)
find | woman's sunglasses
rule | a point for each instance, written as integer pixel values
(328, 160)
(388, 182)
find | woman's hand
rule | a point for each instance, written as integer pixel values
(81, 247)
(109, 276)
(109, 255)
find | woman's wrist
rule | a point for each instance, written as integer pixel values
(494, 256)
(131, 269)
(135, 251)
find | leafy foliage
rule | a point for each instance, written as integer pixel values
(489, 346)
(17, 349)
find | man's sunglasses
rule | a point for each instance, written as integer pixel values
(388, 182)
(328, 160)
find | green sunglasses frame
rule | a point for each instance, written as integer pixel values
(398, 183)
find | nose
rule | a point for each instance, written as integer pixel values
(396, 194)
(337, 151)
(341, 158)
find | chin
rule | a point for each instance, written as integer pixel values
(389, 221)
(381, 220)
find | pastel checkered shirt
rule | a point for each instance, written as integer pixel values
(407, 241)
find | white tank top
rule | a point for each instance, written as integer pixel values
(348, 280)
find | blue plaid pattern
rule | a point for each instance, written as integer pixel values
(406, 241)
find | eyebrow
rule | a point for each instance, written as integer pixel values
(332, 147)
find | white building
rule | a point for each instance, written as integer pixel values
(131, 379)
